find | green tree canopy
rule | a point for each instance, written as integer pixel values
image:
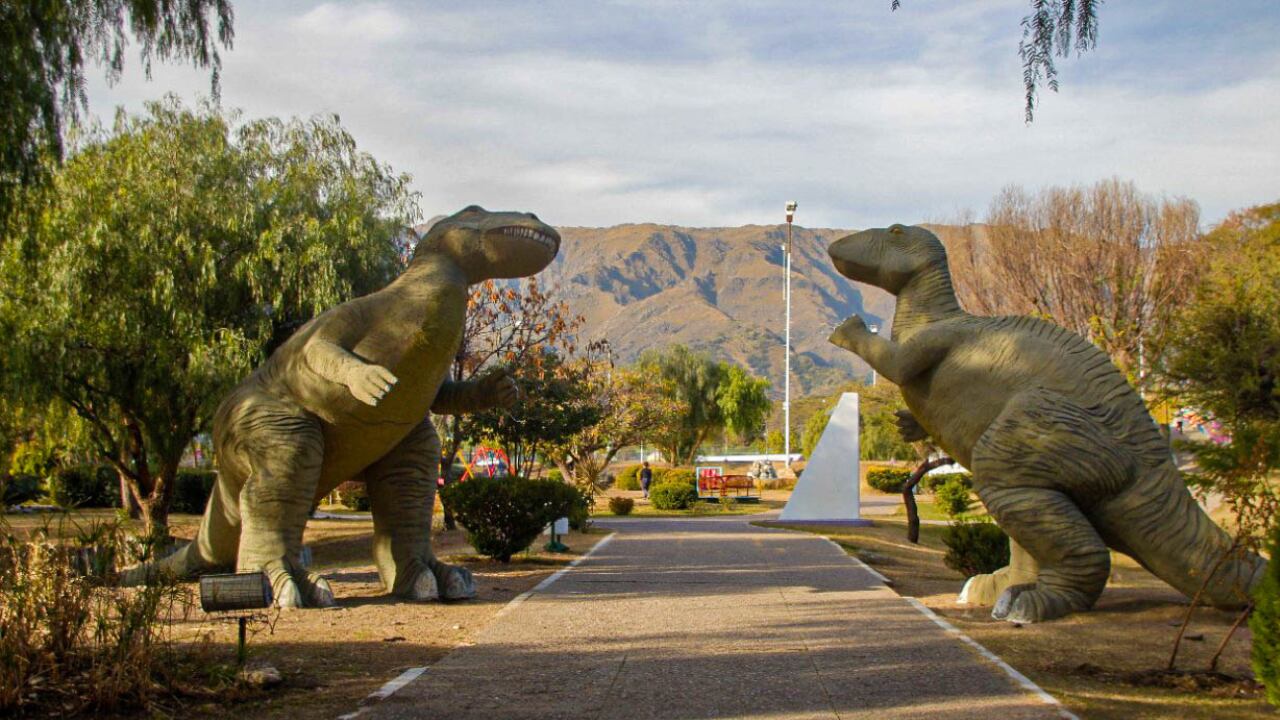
(47, 44)
(169, 255)
(744, 402)
(878, 436)
(1225, 362)
(711, 396)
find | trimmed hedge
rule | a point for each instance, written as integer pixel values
(355, 495)
(953, 497)
(975, 547)
(931, 483)
(887, 479)
(84, 486)
(629, 478)
(621, 505)
(503, 516)
(673, 495)
(191, 490)
(681, 476)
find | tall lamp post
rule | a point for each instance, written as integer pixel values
(875, 330)
(786, 383)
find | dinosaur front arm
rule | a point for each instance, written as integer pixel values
(495, 389)
(897, 363)
(367, 382)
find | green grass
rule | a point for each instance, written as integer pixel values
(929, 510)
(703, 509)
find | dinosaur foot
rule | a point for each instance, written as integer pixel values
(1024, 604)
(299, 589)
(458, 583)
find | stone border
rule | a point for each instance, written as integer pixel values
(408, 676)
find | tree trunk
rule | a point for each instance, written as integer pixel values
(153, 493)
(909, 498)
(126, 498)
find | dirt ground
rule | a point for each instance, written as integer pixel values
(332, 659)
(1097, 663)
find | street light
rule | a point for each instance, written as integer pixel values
(875, 330)
(786, 383)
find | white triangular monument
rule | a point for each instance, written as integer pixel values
(828, 488)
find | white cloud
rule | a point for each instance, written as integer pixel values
(713, 114)
(360, 23)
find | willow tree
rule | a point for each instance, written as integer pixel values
(711, 396)
(167, 256)
(48, 43)
(1053, 29)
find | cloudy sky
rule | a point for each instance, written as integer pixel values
(709, 113)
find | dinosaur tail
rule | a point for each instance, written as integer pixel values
(1162, 526)
(213, 548)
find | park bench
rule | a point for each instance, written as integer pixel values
(742, 487)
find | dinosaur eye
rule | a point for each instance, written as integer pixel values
(897, 229)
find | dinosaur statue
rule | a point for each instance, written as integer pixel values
(350, 396)
(1063, 452)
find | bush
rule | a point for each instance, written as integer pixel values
(673, 496)
(191, 490)
(504, 516)
(887, 479)
(931, 483)
(629, 478)
(675, 476)
(84, 486)
(555, 474)
(17, 489)
(621, 505)
(353, 494)
(1265, 624)
(952, 497)
(975, 547)
(111, 649)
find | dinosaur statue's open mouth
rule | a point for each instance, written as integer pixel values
(548, 241)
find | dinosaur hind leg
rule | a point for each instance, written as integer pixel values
(402, 492)
(1032, 481)
(283, 448)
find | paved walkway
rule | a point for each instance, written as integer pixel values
(704, 618)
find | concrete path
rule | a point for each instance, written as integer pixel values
(704, 618)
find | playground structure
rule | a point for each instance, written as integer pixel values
(714, 485)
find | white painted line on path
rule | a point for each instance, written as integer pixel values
(1026, 682)
(412, 674)
(858, 561)
(519, 599)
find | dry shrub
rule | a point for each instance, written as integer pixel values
(70, 643)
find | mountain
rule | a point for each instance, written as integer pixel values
(719, 290)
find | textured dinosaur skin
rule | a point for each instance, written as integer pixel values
(349, 396)
(1063, 452)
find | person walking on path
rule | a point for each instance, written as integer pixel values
(646, 477)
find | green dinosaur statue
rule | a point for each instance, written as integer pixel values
(1063, 452)
(350, 396)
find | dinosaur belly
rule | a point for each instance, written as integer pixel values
(359, 435)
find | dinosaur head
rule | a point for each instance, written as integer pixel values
(887, 257)
(489, 245)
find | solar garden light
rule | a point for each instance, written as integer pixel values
(232, 592)
(557, 528)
